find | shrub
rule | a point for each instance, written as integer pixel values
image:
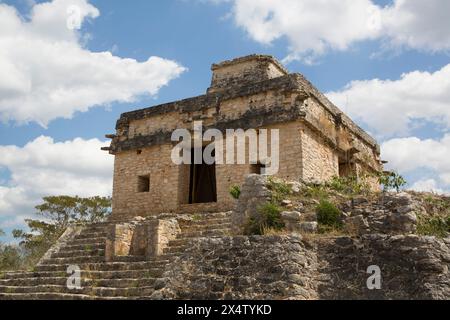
(434, 226)
(328, 215)
(268, 218)
(10, 257)
(235, 192)
(350, 185)
(316, 192)
(391, 180)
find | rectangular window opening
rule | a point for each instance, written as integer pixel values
(144, 184)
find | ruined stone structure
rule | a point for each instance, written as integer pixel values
(317, 141)
(165, 240)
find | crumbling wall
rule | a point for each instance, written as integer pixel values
(412, 267)
(242, 268)
(287, 267)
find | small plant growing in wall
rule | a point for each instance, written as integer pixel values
(391, 180)
(268, 218)
(235, 192)
(280, 190)
(328, 216)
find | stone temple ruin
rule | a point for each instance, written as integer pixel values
(177, 233)
(317, 141)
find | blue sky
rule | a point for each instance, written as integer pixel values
(188, 36)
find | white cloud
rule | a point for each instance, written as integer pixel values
(44, 167)
(47, 73)
(389, 107)
(418, 24)
(314, 26)
(428, 185)
(408, 155)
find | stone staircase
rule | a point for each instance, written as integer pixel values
(128, 277)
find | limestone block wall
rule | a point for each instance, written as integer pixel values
(319, 161)
(344, 138)
(154, 162)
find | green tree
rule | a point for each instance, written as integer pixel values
(391, 180)
(57, 213)
(11, 257)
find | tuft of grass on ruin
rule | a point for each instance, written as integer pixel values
(350, 185)
(329, 217)
(279, 189)
(317, 192)
(268, 218)
(434, 226)
(435, 204)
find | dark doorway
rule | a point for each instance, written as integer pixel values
(202, 182)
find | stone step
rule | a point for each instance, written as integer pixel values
(206, 227)
(95, 291)
(203, 222)
(89, 235)
(80, 247)
(170, 255)
(79, 253)
(85, 282)
(206, 233)
(54, 296)
(152, 272)
(73, 260)
(179, 242)
(176, 249)
(110, 266)
(211, 215)
(96, 227)
(130, 259)
(89, 241)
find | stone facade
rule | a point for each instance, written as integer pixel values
(288, 267)
(317, 141)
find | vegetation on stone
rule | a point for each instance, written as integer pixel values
(280, 190)
(434, 226)
(267, 219)
(235, 192)
(328, 216)
(437, 220)
(350, 185)
(391, 181)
